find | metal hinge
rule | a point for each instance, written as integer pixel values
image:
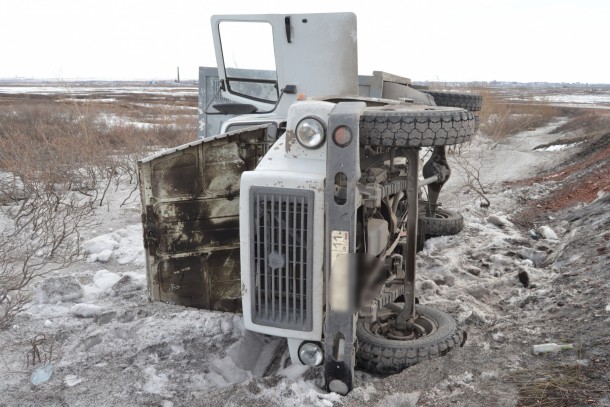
(151, 230)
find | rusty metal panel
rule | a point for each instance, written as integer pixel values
(190, 214)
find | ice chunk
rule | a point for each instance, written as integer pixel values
(56, 289)
(42, 374)
(129, 282)
(547, 233)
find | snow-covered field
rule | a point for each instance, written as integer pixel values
(72, 90)
(105, 344)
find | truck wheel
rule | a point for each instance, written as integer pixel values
(444, 223)
(415, 126)
(464, 100)
(378, 353)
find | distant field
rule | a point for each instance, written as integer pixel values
(592, 97)
(167, 113)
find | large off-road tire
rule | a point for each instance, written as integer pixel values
(379, 354)
(415, 126)
(466, 101)
(445, 222)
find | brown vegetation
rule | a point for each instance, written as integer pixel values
(58, 160)
(501, 118)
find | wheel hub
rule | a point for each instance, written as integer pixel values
(387, 327)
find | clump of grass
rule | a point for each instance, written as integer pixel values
(556, 386)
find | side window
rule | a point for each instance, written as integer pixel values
(249, 60)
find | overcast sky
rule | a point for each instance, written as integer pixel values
(439, 40)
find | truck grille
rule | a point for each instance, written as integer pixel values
(281, 257)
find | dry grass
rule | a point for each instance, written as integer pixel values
(557, 386)
(58, 160)
(501, 118)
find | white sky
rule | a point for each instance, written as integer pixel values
(441, 40)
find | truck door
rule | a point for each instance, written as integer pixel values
(190, 215)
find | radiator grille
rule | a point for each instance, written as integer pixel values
(281, 265)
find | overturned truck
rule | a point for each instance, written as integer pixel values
(302, 202)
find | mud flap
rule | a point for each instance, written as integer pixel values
(190, 217)
(342, 170)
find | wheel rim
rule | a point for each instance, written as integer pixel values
(441, 214)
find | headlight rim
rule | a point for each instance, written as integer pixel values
(324, 131)
(318, 345)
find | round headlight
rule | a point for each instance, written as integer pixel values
(310, 133)
(310, 353)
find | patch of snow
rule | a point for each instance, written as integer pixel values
(300, 393)
(575, 98)
(86, 310)
(497, 220)
(400, 400)
(123, 245)
(536, 256)
(86, 90)
(100, 244)
(557, 147)
(72, 380)
(155, 383)
(105, 279)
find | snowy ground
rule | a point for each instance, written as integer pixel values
(108, 345)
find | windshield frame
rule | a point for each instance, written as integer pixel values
(234, 78)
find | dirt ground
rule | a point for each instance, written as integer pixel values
(532, 268)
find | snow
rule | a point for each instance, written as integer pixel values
(155, 383)
(497, 220)
(575, 98)
(113, 120)
(105, 279)
(118, 348)
(123, 245)
(85, 310)
(72, 380)
(88, 90)
(557, 147)
(401, 400)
